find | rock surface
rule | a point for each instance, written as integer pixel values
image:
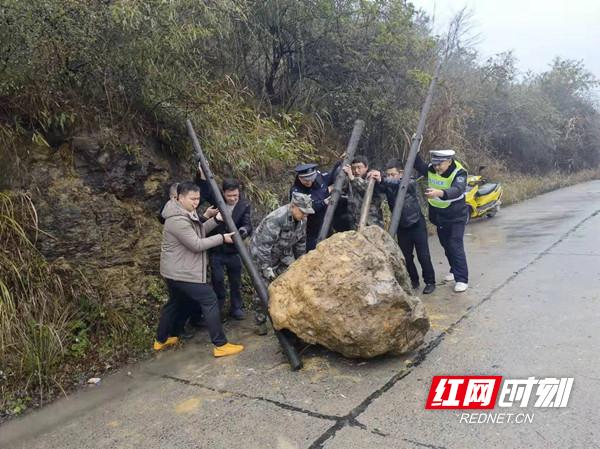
(351, 295)
(97, 197)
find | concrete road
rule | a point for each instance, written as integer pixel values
(533, 309)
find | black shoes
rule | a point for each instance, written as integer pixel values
(261, 329)
(237, 314)
(429, 288)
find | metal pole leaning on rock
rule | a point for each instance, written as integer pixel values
(451, 42)
(359, 126)
(366, 204)
(288, 349)
(412, 155)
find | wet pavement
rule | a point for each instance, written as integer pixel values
(532, 309)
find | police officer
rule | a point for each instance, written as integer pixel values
(412, 229)
(278, 241)
(310, 181)
(447, 183)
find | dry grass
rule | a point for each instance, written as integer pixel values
(518, 187)
(34, 311)
(54, 325)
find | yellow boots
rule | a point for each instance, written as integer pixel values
(227, 349)
(171, 341)
(218, 351)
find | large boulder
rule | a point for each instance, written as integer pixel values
(352, 295)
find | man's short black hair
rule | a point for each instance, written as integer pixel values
(230, 184)
(360, 159)
(187, 186)
(394, 163)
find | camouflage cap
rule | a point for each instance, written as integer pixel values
(303, 202)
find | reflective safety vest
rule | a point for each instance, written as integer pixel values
(436, 181)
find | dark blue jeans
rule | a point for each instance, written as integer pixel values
(220, 262)
(451, 237)
(186, 298)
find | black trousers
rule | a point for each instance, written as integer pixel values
(186, 298)
(311, 240)
(452, 239)
(220, 262)
(415, 237)
(313, 227)
(342, 218)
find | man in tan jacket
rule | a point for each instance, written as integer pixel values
(183, 262)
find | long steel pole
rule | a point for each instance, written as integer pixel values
(412, 155)
(263, 293)
(364, 210)
(334, 199)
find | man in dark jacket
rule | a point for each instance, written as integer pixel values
(358, 175)
(226, 257)
(342, 217)
(412, 229)
(447, 181)
(312, 182)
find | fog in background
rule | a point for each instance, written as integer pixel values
(536, 30)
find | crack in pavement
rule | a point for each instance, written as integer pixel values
(416, 443)
(350, 418)
(279, 404)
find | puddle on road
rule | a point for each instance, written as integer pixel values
(504, 231)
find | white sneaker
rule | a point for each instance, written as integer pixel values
(461, 287)
(449, 277)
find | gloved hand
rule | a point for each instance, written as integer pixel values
(269, 274)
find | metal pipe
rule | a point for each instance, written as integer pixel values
(359, 126)
(417, 138)
(366, 204)
(263, 293)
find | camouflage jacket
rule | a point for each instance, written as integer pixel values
(278, 240)
(356, 193)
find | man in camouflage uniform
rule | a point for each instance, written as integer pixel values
(279, 240)
(358, 177)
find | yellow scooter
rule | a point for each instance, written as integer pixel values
(482, 197)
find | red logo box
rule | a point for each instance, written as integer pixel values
(463, 392)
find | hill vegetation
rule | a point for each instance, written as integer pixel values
(267, 83)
